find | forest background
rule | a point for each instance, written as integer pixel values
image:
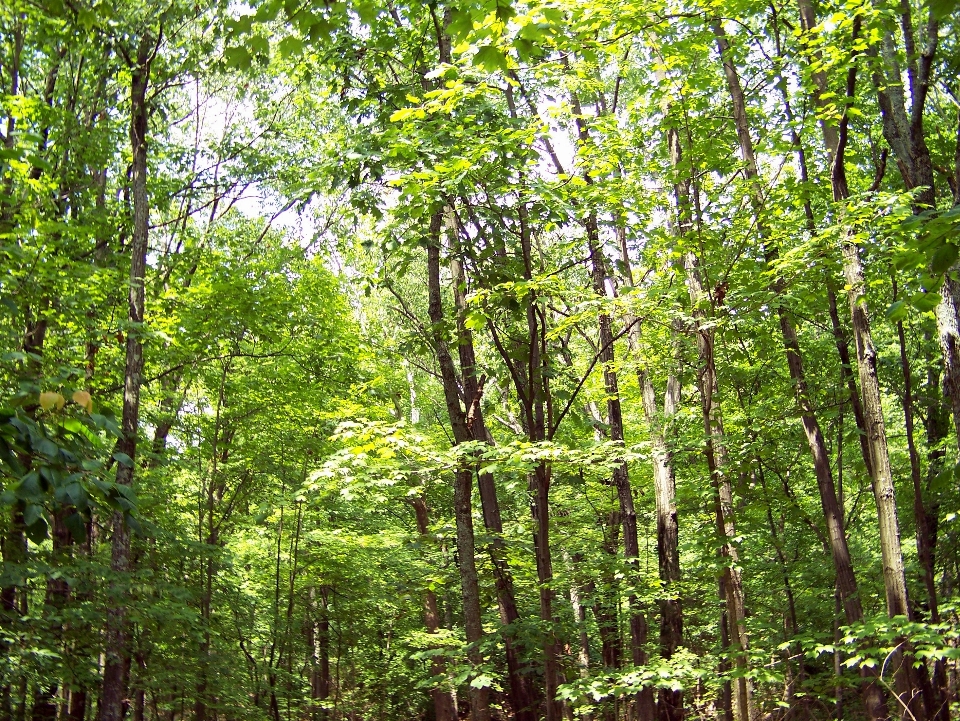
(389, 359)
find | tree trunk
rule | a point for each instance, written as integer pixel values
(904, 132)
(894, 577)
(833, 513)
(730, 584)
(463, 478)
(936, 427)
(114, 689)
(443, 703)
(580, 618)
(948, 333)
(523, 698)
(669, 702)
(621, 477)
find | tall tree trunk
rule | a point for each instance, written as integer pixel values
(57, 598)
(317, 640)
(936, 428)
(931, 695)
(534, 394)
(522, 697)
(580, 618)
(669, 701)
(733, 627)
(948, 333)
(116, 644)
(833, 513)
(621, 477)
(894, 577)
(463, 478)
(829, 132)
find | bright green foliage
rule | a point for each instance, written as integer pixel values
(295, 550)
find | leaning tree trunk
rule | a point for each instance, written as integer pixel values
(833, 513)
(903, 129)
(116, 643)
(894, 577)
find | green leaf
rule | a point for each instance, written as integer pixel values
(490, 59)
(32, 513)
(366, 11)
(76, 526)
(897, 311)
(925, 301)
(481, 681)
(505, 12)
(47, 448)
(260, 45)
(123, 459)
(460, 23)
(37, 532)
(942, 9)
(291, 46)
(239, 58)
(944, 258)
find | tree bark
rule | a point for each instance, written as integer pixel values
(730, 583)
(443, 704)
(116, 644)
(669, 702)
(621, 476)
(833, 513)
(523, 698)
(894, 577)
(463, 478)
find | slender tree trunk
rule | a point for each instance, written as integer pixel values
(535, 393)
(846, 371)
(731, 584)
(621, 477)
(894, 577)
(463, 478)
(936, 428)
(881, 473)
(605, 612)
(323, 651)
(925, 551)
(904, 132)
(948, 333)
(57, 598)
(580, 618)
(443, 703)
(116, 644)
(832, 511)
(522, 697)
(931, 695)
(669, 702)
(808, 20)
(13, 543)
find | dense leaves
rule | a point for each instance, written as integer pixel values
(397, 360)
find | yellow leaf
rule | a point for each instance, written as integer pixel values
(82, 398)
(401, 114)
(50, 399)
